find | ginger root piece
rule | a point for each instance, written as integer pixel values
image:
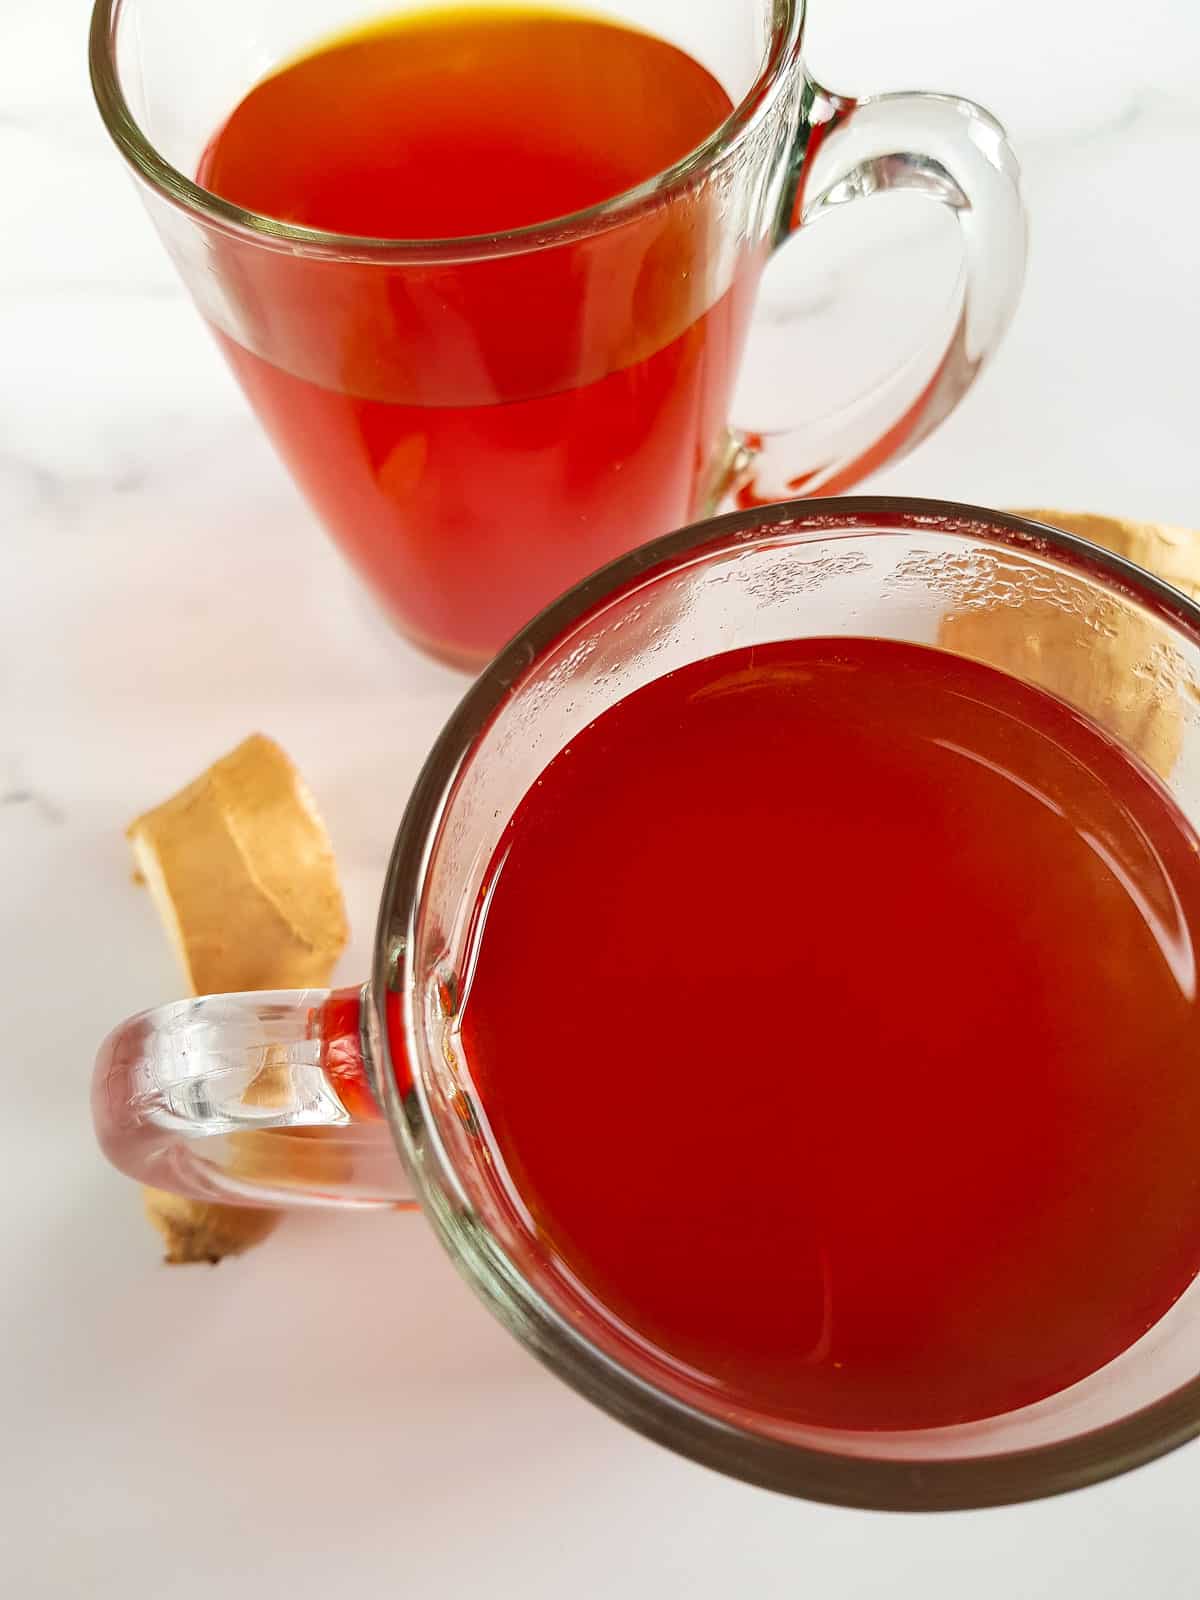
(1112, 666)
(194, 1230)
(242, 873)
(1170, 553)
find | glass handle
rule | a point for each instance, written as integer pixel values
(955, 153)
(259, 1099)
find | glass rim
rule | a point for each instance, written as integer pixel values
(183, 192)
(855, 1480)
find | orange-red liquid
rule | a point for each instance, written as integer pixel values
(481, 434)
(834, 1016)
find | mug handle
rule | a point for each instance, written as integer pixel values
(951, 151)
(256, 1099)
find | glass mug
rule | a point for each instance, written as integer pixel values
(481, 421)
(306, 1097)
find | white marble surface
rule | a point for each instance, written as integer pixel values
(336, 1414)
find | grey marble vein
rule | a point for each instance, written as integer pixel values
(40, 804)
(1146, 111)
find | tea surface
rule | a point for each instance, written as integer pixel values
(834, 1017)
(480, 434)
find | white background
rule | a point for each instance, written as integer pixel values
(335, 1415)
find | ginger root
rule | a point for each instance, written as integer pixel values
(1116, 671)
(195, 1230)
(1170, 553)
(242, 873)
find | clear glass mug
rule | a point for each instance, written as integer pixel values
(482, 421)
(306, 1097)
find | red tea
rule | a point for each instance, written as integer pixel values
(833, 1012)
(479, 434)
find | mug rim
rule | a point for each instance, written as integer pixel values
(185, 193)
(859, 1481)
